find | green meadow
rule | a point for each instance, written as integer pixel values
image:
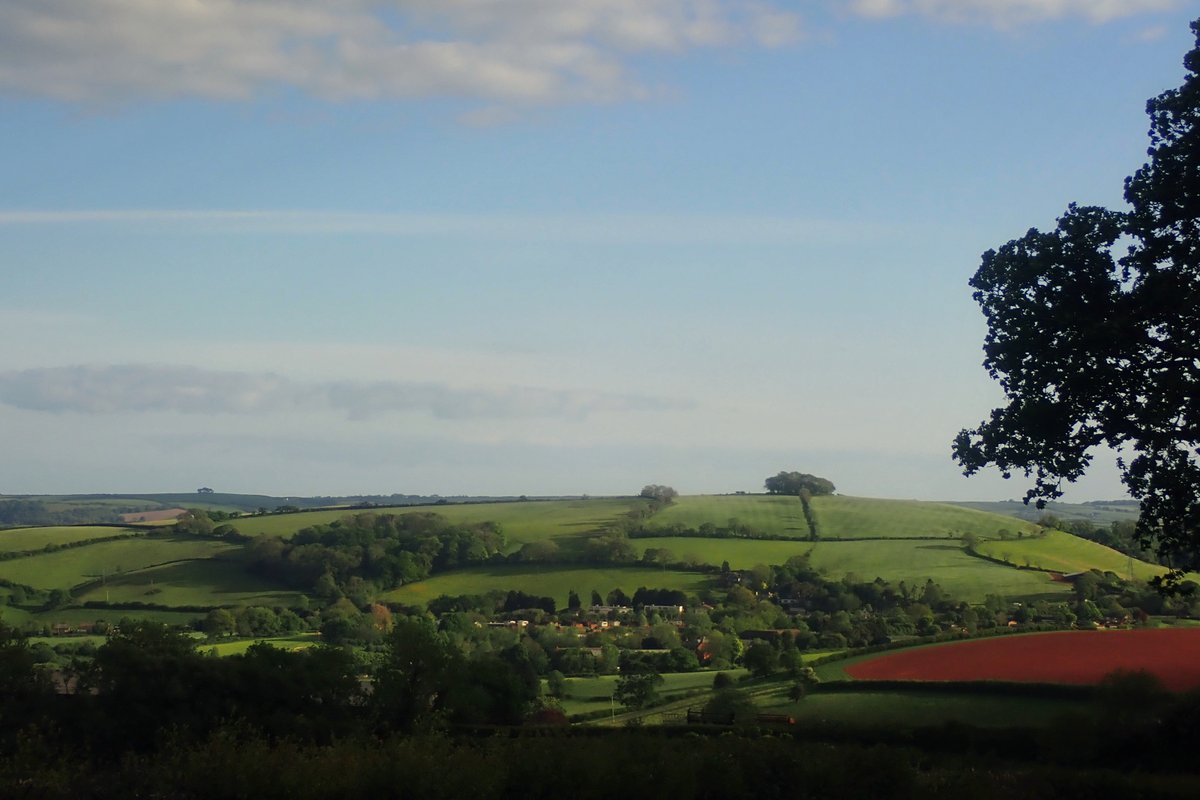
(906, 709)
(202, 582)
(16, 540)
(776, 515)
(237, 647)
(587, 695)
(1062, 552)
(546, 581)
(861, 517)
(911, 561)
(67, 568)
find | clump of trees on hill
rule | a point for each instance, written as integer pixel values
(659, 493)
(794, 483)
(362, 554)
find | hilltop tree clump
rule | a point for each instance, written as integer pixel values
(793, 483)
(661, 494)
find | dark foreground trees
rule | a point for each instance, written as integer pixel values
(1094, 335)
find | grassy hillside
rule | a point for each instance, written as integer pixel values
(203, 582)
(1062, 552)
(67, 568)
(958, 572)
(528, 521)
(858, 517)
(546, 581)
(771, 514)
(16, 540)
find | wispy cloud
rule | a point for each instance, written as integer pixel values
(1005, 13)
(139, 388)
(641, 228)
(513, 51)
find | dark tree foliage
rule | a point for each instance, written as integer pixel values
(654, 491)
(795, 482)
(1094, 335)
(387, 550)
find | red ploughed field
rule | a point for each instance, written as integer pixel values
(1172, 654)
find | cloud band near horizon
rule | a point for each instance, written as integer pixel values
(138, 388)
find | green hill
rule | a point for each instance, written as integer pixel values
(895, 540)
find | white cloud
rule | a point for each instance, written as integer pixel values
(510, 51)
(1009, 12)
(138, 388)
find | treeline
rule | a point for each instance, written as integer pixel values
(364, 554)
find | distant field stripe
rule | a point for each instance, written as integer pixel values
(15, 540)
(546, 581)
(67, 568)
(522, 522)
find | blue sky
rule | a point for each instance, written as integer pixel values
(534, 246)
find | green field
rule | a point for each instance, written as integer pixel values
(522, 522)
(203, 582)
(299, 641)
(1062, 552)
(16, 540)
(911, 561)
(906, 709)
(67, 568)
(776, 515)
(546, 581)
(585, 695)
(857, 517)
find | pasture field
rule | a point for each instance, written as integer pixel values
(1072, 657)
(908, 709)
(16, 540)
(546, 581)
(777, 515)
(586, 695)
(856, 517)
(202, 582)
(1062, 552)
(299, 641)
(522, 521)
(911, 561)
(67, 568)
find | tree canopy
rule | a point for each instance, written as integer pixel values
(1094, 336)
(796, 482)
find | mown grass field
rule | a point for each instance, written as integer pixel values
(546, 581)
(1062, 552)
(67, 568)
(913, 562)
(203, 582)
(15, 540)
(908, 709)
(585, 695)
(522, 522)
(855, 517)
(299, 641)
(772, 514)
